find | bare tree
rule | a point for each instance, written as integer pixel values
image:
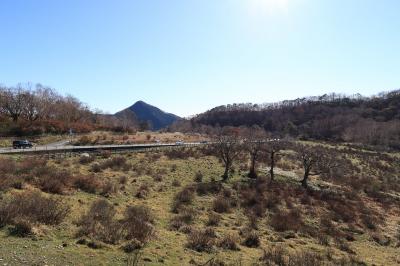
(12, 102)
(272, 149)
(315, 161)
(228, 148)
(30, 108)
(254, 140)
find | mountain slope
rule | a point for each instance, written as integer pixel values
(372, 120)
(141, 112)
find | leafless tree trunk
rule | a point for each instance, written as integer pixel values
(315, 161)
(254, 142)
(228, 147)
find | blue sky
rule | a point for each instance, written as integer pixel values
(186, 56)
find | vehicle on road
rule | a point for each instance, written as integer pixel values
(22, 144)
(179, 143)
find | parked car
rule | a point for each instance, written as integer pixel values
(22, 144)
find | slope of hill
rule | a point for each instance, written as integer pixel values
(141, 112)
(373, 120)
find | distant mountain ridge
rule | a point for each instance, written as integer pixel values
(141, 112)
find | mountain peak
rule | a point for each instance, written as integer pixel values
(154, 116)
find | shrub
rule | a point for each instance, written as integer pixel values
(137, 222)
(251, 239)
(53, 181)
(132, 246)
(213, 219)
(183, 197)
(86, 159)
(285, 221)
(221, 204)
(143, 191)
(229, 241)
(200, 240)
(173, 168)
(34, 208)
(115, 163)
(198, 177)
(21, 228)
(274, 256)
(98, 223)
(279, 256)
(186, 216)
(87, 183)
(108, 188)
(305, 258)
(95, 168)
(208, 188)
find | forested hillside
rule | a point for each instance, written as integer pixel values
(33, 110)
(371, 120)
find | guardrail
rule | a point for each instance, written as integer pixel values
(98, 148)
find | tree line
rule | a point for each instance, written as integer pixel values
(27, 109)
(335, 117)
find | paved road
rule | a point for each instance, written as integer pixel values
(62, 146)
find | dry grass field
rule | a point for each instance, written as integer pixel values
(171, 208)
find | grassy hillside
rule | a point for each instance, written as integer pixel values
(192, 218)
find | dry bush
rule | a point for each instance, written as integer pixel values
(132, 246)
(274, 256)
(251, 239)
(186, 216)
(7, 166)
(143, 191)
(221, 204)
(87, 183)
(208, 188)
(278, 256)
(381, 239)
(95, 168)
(198, 177)
(86, 159)
(179, 153)
(99, 223)
(286, 221)
(213, 219)
(183, 198)
(108, 188)
(115, 163)
(32, 207)
(138, 223)
(200, 240)
(52, 180)
(21, 228)
(173, 168)
(123, 180)
(343, 245)
(229, 242)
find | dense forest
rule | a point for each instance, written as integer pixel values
(336, 117)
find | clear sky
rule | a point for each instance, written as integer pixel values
(187, 56)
